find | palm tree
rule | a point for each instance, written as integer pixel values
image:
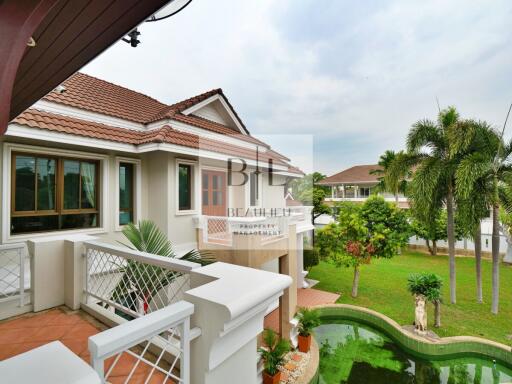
(433, 183)
(487, 173)
(393, 173)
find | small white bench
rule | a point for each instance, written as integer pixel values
(51, 363)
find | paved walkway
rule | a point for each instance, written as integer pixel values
(306, 297)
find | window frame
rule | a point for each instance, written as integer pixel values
(59, 191)
(12, 180)
(137, 190)
(46, 152)
(194, 187)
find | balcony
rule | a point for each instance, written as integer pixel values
(119, 315)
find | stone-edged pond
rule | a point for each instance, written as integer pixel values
(353, 353)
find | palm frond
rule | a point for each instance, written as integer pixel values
(471, 169)
(424, 133)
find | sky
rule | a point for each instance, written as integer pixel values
(330, 84)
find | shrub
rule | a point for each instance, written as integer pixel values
(311, 258)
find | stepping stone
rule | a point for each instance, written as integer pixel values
(296, 357)
(290, 366)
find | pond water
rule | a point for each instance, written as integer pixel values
(351, 353)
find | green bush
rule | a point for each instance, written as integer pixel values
(311, 258)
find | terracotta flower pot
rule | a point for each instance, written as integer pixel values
(304, 343)
(267, 379)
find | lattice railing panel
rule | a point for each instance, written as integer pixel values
(218, 230)
(132, 284)
(14, 273)
(155, 360)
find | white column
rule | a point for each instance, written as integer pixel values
(301, 273)
(230, 303)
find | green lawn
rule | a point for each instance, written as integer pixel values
(382, 287)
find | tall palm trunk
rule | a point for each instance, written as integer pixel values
(495, 259)
(451, 243)
(437, 312)
(478, 262)
(355, 282)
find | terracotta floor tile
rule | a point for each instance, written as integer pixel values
(51, 333)
(16, 335)
(80, 331)
(78, 347)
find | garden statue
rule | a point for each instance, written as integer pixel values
(420, 322)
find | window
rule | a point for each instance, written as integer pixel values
(126, 188)
(253, 185)
(364, 191)
(52, 193)
(184, 187)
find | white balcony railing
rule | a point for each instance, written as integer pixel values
(14, 274)
(150, 349)
(131, 283)
(220, 229)
(217, 230)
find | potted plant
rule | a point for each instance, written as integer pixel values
(308, 320)
(273, 354)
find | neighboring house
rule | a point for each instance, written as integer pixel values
(356, 184)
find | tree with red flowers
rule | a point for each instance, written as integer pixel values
(375, 229)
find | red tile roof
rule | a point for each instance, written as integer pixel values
(64, 124)
(92, 94)
(96, 95)
(355, 174)
(170, 110)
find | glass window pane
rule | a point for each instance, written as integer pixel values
(82, 220)
(215, 182)
(217, 197)
(184, 187)
(34, 224)
(125, 217)
(45, 184)
(205, 181)
(88, 173)
(25, 183)
(205, 197)
(71, 184)
(125, 186)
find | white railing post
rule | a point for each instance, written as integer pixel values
(164, 334)
(21, 257)
(185, 348)
(99, 366)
